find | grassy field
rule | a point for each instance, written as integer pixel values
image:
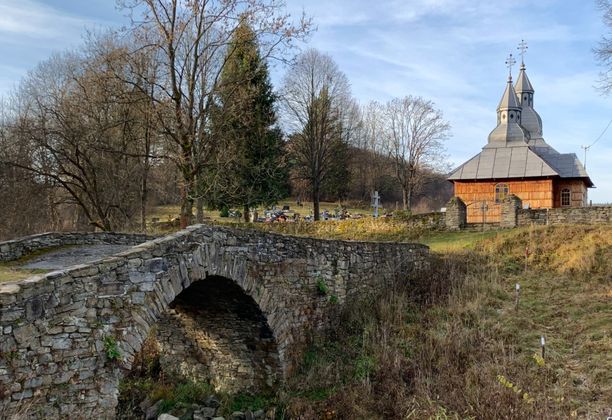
(454, 241)
(365, 229)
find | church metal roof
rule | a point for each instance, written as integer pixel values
(504, 162)
(522, 83)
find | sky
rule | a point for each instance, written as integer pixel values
(452, 52)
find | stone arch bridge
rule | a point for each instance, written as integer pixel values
(250, 297)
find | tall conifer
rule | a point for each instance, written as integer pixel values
(254, 168)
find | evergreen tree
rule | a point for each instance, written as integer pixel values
(253, 167)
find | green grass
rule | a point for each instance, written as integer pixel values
(11, 271)
(455, 241)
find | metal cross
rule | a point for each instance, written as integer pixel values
(522, 47)
(510, 61)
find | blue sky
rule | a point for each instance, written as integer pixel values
(449, 51)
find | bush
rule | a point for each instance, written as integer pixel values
(403, 215)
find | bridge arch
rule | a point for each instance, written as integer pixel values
(215, 332)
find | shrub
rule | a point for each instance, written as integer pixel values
(403, 215)
(322, 287)
(111, 348)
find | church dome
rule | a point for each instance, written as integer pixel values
(531, 121)
(509, 113)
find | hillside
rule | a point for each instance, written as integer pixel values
(452, 345)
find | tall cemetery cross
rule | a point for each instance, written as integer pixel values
(375, 202)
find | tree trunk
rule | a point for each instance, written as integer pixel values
(405, 199)
(143, 199)
(409, 190)
(189, 184)
(200, 210)
(186, 204)
(246, 213)
(144, 193)
(315, 202)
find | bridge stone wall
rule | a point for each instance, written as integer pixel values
(17, 248)
(59, 331)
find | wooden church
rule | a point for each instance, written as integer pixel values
(516, 160)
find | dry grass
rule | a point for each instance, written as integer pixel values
(366, 229)
(566, 249)
(10, 274)
(451, 344)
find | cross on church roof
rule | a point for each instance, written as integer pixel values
(522, 47)
(510, 61)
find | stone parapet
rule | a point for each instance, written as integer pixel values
(509, 211)
(431, 221)
(17, 248)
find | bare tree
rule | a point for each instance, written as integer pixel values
(414, 133)
(319, 112)
(368, 158)
(82, 129)
(191, 38)
(603, 52)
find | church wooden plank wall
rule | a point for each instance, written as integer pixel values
(535, 193)
(578, 192)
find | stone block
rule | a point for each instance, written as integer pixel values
(24, 335)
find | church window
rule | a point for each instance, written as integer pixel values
(501, 192)
(565, 197)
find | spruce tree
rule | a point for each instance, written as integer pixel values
(254, 171)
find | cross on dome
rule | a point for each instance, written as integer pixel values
(522, 47)
(510, 61)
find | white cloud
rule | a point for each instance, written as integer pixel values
(30, 19)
